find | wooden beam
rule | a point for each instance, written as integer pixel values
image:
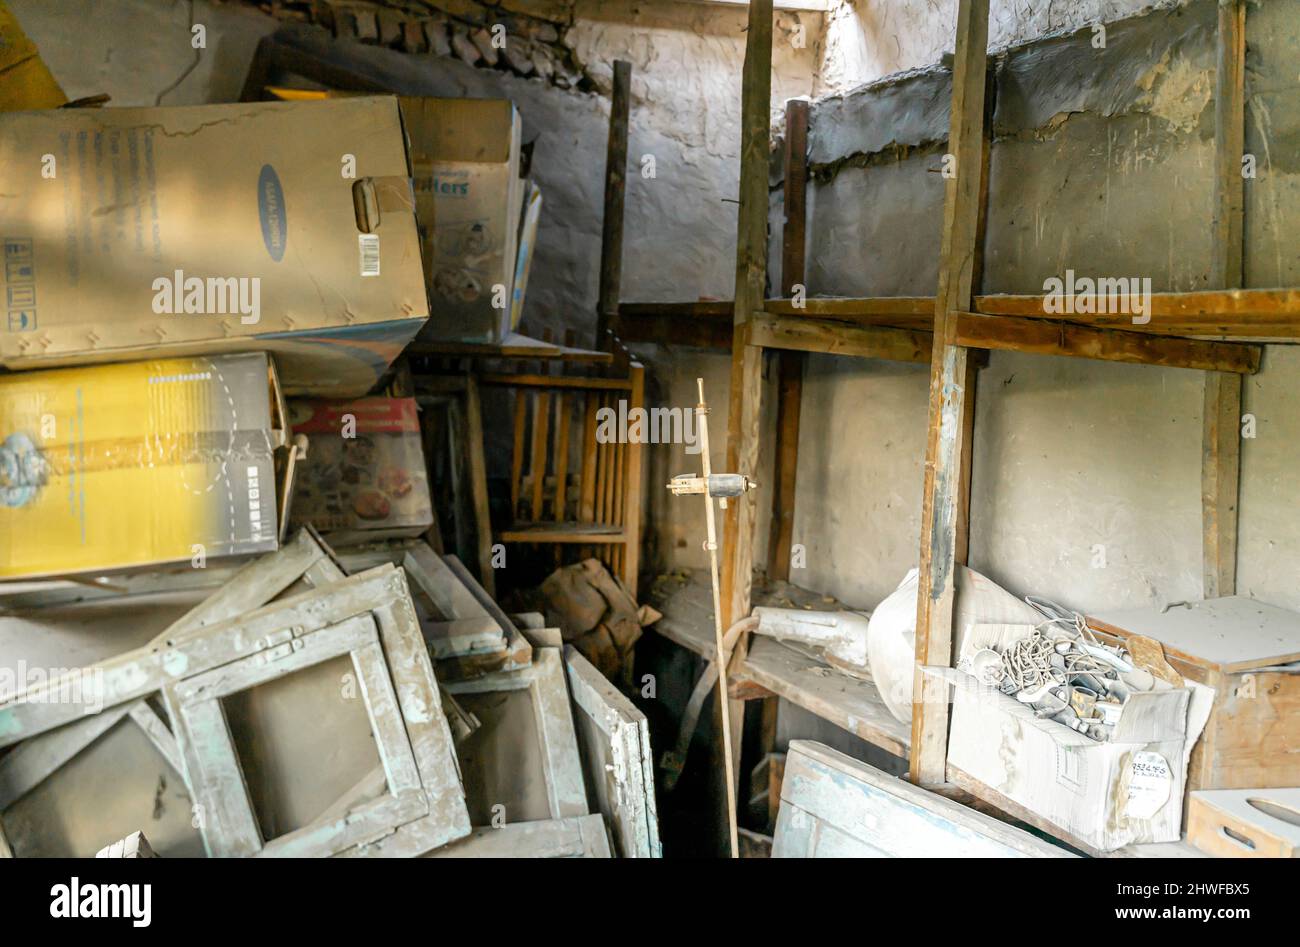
(611, 236)
(1220, 475)
(1220, 439)
(945, 450)
(698, 325)
(790, 365)
(1227, 243)
(1263, 313)
(1042, 337)
(1249, 314)
(745, 396)
(790, 333)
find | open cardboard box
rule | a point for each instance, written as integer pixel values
(1127, 790)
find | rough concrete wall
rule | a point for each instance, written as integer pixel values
(867, 39)
(139, 52)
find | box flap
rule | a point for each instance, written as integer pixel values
(1153, 717)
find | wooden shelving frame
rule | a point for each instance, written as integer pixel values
(1220, 331)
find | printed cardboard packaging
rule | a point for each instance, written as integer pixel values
(364, 476)
(115, 467)
(465, 166)
(137, 232)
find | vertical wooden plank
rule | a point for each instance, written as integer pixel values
(1220, 440)
(751, 278)
(632, 493)
(564, 411)
(611, 236)
(949, 373)
(1220, 476)
(790, 364)
(590, 451)
(478, 483)
(541, 440)
(517, 454)
(746, 389)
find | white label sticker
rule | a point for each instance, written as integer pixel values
(369, 243)
(1150, 784)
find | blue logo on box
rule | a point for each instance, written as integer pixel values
(270, 208)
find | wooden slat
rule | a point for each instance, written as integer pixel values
(1113, 345)
(587, 477)
(945, 451)
(537, 463)
(835, 338)
(611, 237)
(533, 380)
(564, 411)
(478, 483)
(632, 499)
(517, 452)
(789, 392)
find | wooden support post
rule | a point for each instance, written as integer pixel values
(790, 364)
(478, 483)
(950, 370)
(745, 396)
(1220, 440)
(611, 237)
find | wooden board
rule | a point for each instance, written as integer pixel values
(614, 742)
(1232, 634)
(952, 376)
(849, 702)
(833, 806)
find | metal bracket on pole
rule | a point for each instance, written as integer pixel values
(721, 487)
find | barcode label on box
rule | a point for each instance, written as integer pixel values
(369, 243)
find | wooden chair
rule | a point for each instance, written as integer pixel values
(566, 488)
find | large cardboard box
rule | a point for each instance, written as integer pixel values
(1127, 790)
(364, 476)
(465, 161)
(132, 233)
(122, 466)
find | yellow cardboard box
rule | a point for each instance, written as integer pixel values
(122, 466)
(286, 227)
(25, 82)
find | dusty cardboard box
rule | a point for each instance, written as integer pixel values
(465, 165)
(114, 467)
(136, 232)
(1127, 790)
(364, 476)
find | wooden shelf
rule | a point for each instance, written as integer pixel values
(846, 701)
(513, 346)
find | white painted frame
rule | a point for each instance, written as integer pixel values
(544, 681)
(628, 779)
(578, 837)
(36, 760)
(833, 806)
